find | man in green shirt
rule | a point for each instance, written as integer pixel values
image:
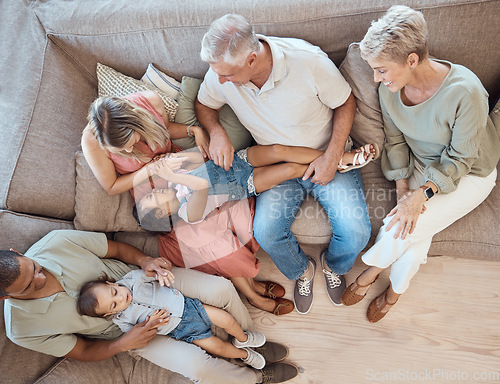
(40, 290)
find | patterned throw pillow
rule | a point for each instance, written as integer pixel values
(113, 83)
(162, 81)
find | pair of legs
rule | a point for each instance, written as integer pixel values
(188, 359)
(405, 256)
(344, 202)
(277, 163)
(215, 345)
(257, 292)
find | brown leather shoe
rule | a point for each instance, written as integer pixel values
(273, 290)
(374, 312)
(283, 306)
(279, 372)
(350, 295)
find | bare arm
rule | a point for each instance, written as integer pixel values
(104, 170)
(157, 267)
(221, 151)
(325, 166)
(176, 130)
(96, 350)
(198, 200)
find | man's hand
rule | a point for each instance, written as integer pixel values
(322, 169)
(159, 268)
(221, 150)
(142, 334)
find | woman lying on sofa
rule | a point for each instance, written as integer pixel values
(441, 148)
(126, 136)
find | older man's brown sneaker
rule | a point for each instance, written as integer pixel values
(278, 372)
(273, 352)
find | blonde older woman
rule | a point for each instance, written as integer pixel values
(441, 149)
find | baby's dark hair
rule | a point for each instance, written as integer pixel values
(87, 302)
(154, 225)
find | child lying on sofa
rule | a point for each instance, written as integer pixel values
(136, 297)
(254, 170)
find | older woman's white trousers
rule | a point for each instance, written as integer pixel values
(406, 256)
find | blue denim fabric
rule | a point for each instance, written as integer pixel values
(344, 202)
(195, 323)
(233, 182)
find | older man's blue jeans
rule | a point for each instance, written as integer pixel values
(344, 202)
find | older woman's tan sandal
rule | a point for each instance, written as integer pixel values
(350, 295)
(374, 312)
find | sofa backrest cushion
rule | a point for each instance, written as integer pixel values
(46, 112)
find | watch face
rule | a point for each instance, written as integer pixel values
(428, 193)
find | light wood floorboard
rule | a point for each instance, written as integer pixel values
(444, 329)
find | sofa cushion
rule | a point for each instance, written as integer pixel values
(21, 231)
(95, 209)
(238, 134)
(162, 81)
(368, 126)
(113, 83)
(120, 369)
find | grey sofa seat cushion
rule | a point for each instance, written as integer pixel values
(21, 231)
(120, 369)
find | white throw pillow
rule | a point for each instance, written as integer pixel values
(162, 81)
(113, 83)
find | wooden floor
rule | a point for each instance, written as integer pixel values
(444, 329)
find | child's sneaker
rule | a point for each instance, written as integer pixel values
(255, 339)
(254, 359)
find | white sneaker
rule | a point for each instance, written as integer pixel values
(254, 359)
(255, 339)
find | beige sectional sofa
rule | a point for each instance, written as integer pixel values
(49, 52)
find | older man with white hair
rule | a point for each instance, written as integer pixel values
(287, 91)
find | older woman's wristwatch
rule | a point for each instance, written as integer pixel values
(428, 192)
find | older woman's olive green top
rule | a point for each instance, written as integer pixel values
(450, 134)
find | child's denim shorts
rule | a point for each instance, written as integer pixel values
(195, 323)
(237, 182)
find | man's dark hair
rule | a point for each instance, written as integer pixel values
(10, 269)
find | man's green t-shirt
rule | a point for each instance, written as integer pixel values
(49, 324)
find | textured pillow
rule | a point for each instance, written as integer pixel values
(95, 210)
(114, 83)
(368, 126)
(162, 81)
(238, 134)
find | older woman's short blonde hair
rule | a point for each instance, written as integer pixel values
(395, 35)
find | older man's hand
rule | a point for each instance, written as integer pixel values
(322, 170)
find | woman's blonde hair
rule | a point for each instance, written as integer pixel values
(113, 121)
(395, 35)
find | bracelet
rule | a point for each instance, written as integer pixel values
(187, 130)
